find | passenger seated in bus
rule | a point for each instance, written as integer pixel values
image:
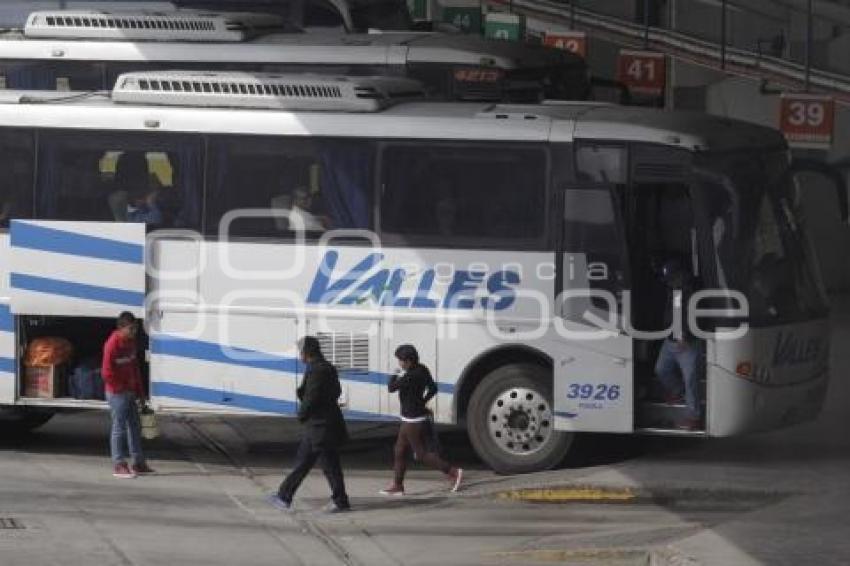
(281, 206)
(145, 208)
(131, 178)
(680, 362)
(301, 216)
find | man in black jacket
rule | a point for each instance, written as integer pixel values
(324, 432)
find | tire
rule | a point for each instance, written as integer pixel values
(18, 420)
(510, 421)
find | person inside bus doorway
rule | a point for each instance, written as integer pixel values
(415, 388)
(680, 362)
(124, 390)
(324, 433)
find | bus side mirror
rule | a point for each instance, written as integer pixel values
(832, 173)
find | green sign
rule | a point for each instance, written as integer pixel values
(465, 18)
(510, 27)
(418, 9)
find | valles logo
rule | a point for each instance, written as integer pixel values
(367, 282)
(791, 350)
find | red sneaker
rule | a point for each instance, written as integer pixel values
(455, 478)
(393, 489)
(674, 399)
(123, 471)
(691, 424)
(142, 469)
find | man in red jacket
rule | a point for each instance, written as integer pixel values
(123, 381)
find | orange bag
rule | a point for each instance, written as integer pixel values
(48, 351)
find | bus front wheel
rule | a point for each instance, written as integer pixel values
(511, 421)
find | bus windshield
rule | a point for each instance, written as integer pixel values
(758, 235)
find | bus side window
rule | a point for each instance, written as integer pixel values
(274, 187)
(119, 177)
(16, 149)
(592, 225)
(47, 75)
(591, 228)
(486, 192)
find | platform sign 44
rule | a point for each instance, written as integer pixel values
(807, 120)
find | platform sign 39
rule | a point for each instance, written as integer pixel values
(807, 120)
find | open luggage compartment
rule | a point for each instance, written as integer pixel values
(76, 376)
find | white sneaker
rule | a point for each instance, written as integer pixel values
(456, 479)
(393, 490)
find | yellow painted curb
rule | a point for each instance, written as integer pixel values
(570, 494)
(588, 554)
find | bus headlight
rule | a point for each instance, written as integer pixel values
(744, 369)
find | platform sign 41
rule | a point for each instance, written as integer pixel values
(575, 41)
(643, 72)
(807, 120)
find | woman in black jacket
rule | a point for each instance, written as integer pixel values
(415, 388)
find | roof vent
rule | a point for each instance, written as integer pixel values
(263, 90)
(179, 25)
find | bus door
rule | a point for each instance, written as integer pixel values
(70, 280)
(238, 357)
(8, 362)
(77, 269)
(661, 227)
(593, 372)
(353, 347)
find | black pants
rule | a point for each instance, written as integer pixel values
(413, 435)
(305, 459)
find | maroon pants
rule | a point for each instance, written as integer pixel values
(413, 435)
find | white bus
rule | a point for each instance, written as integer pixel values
(470, 230)
(88, 49)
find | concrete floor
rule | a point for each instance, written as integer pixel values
(779, 498)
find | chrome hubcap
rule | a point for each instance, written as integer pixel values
(520, 421)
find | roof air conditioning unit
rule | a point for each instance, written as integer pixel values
(179, 25)
(264, 90)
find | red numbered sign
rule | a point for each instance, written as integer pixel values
(575, 41)
(807, 120)
(644, 72)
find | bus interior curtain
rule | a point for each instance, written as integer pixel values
(188, 180)
(27, 76)
(347, 182)
(49, 175)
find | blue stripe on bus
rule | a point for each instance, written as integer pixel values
(7, 319)
(566, 414)
(76, 290)
(7, 365)
(41, 238)
(217, 397)
(219, 353)
(244, 401)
